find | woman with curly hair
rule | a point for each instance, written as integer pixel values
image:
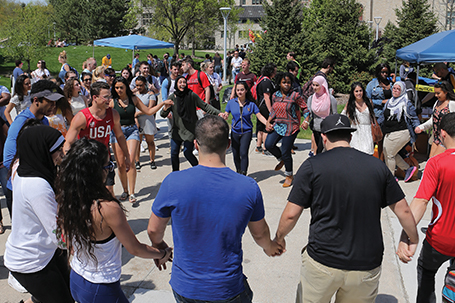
(284, 124)
(21, 98)
(72, 91)
(95, 226)
(360, 112)
(443, 90)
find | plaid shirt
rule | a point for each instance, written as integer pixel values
(286, 112)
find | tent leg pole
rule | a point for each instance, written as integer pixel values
(417, 82)
(396, 69)
(132, 59)
(93, 50)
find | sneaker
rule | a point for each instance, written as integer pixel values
(311, 154)
(409, 173)
(153, 165)
(142, 149)
(195, 152)
(258, 149)
(138, 166)
(267, 153)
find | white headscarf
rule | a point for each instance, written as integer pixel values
(397, 105)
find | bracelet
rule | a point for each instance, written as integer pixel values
(305, 121)
(164, 255)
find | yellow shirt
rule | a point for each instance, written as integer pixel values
(106, 62)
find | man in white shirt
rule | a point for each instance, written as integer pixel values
(236, 63)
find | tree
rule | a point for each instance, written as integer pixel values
(25, 30)
(90, 20)
(333, 28)
(282, 25)
(177, 17)
(415, 21)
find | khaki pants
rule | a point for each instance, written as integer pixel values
(318, 283)
(393, 143)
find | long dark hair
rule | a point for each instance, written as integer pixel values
(68, 88)
(248, 94)
(350, 108)
(446, 87)
(19, 86)
(377, 73)
(130, 77)
(79, 184)
(129, 93)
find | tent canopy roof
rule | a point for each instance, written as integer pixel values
(132, 42)
(439, 47)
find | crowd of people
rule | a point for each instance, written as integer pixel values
(73, 121)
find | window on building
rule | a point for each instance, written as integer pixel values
(146, 18)
(243, 2)
(257, 2)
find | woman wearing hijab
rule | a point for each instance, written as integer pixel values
(32, 251)
(184, 120)
(398, 121)
(320, 105)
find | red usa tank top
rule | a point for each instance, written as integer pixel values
(99, 130)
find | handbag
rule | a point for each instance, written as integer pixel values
(376, 131)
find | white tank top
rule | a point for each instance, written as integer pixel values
(77, 104)
(109, 256)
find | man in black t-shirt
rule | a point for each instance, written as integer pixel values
(345, 190)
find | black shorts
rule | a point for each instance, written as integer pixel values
(110, 179)
(260, 127)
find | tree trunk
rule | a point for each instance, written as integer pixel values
(28, 63)
(176, 46)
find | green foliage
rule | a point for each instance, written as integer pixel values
(26, 30)
(178, 17)
(325, 28)
(90, 20)
(415, 20)
(282, 25)
(332, 28)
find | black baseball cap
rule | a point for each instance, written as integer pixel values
(336, 122)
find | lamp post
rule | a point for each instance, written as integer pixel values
(377, 20)
(54, 31)
(225, 12)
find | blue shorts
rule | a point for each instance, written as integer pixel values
(84, 291)
(131, 133)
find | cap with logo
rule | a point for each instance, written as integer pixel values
(49, 94)
(336, 122)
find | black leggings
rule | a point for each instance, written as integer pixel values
(52, 283)
(240, 147)
(319, 143)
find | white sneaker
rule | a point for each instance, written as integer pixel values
(144, 146)
(195, 152)
(15, 284)
(142, 149)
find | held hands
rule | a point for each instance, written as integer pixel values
(268, 127)
(223, 115)
(275, 248)
(304, 124)
(417, 130)
(406, 249)
(168, 103)
(161, 263)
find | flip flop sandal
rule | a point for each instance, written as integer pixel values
(2, 229)
(133, 198)
(124, 196)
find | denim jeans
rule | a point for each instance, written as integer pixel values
(84, 291)
(245, 296)
(6, 191)
(188, 147)
(240, 147)
(427, 266)
(286, 145)
(219, 70)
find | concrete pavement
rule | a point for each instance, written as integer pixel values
(271, 279)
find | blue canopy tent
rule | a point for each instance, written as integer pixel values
(134, 42)
(438, 47)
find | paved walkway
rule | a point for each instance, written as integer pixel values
(271, 279)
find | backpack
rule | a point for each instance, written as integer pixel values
(212, 100)
(254, 89)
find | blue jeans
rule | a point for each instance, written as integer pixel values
(286, 146)
(6, 191)
(84, 291)
(188, 147)
(240, 147)
(234, 73)
(219, 70)
(427, 266)
(245, 296)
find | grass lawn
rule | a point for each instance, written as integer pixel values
(303, 134)
(78, 54)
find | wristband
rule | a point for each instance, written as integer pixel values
(305, 121)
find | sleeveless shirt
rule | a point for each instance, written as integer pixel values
(100, 130)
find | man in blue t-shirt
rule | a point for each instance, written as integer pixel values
(208, 221)
(43, 95)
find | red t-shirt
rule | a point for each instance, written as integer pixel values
(249, 78)
(100, 130)
(438, 182)
(193, 84)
